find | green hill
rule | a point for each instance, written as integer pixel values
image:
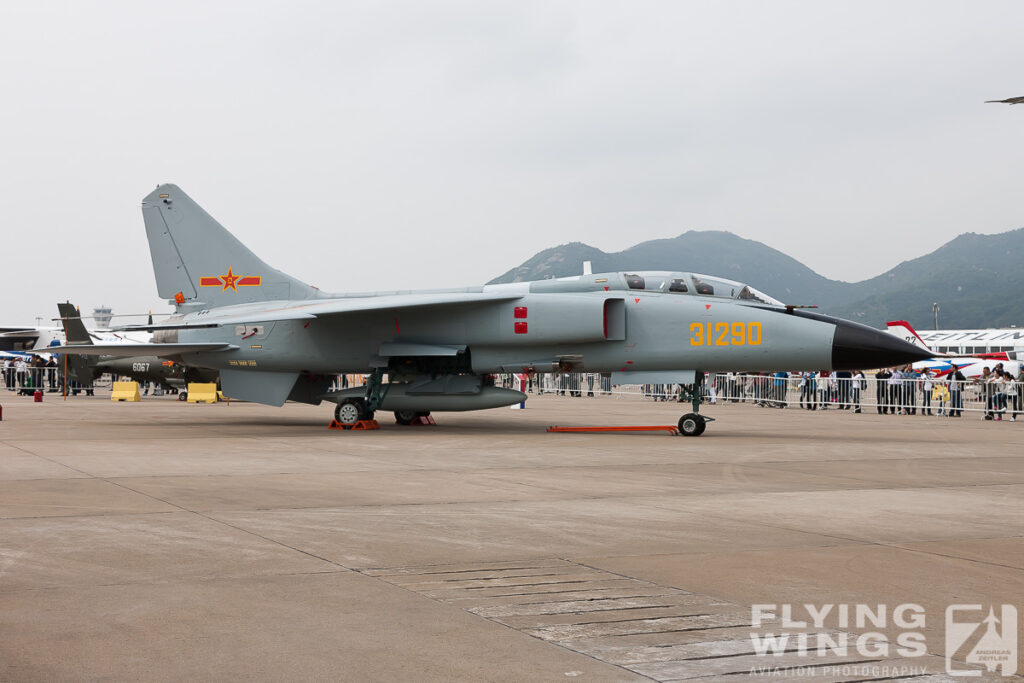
(977, 280)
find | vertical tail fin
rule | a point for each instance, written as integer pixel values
(80, 368)
(74, 328)
(906, 332)
(196, 260)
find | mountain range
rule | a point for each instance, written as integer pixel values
(977, 280)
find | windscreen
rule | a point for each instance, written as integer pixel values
(748, 293)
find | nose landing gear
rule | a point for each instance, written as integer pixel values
(693, 424)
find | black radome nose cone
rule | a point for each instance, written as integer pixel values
(859, 347)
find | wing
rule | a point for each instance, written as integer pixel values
(272, 311)
(130, 350)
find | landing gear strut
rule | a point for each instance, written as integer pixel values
(693, 424)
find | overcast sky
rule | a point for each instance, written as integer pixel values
(362, 145)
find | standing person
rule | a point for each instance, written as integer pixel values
(926, 393)
(956, 396)
(35, 373)
(895, 384)
(1013, 392)
(843, 389)
(940, 396)
(823, 390)
(985, 382)
(20, 369)
(882, 391)
(858, 384)
(910, 389)
(9, 374)
(812, 391)
(999, 393)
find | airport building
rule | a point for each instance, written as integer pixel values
(973, 342)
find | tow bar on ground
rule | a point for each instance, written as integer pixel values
(671, 429)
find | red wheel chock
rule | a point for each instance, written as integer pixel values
(422, 420)
(359, 425)
(671, 429)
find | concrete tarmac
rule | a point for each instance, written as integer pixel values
(160, 541)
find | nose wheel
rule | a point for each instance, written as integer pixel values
(693, 424)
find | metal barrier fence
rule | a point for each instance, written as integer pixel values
(27, 379)
(810, 391)
(933, 396)
(929, 396)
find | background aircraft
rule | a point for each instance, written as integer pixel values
(86, 369)
(942, 365)
(274, 338)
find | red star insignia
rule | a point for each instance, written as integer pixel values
(229, 280)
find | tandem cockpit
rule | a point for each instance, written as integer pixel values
(695, 283)
(687, 284)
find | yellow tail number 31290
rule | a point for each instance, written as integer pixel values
(725, 334)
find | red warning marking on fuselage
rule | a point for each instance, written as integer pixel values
(636, 300)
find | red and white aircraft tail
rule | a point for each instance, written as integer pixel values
(906, 332)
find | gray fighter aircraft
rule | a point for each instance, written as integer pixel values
(275, 339)
(1009, 100)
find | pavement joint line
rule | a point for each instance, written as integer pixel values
(589, 611)
(895, 546)
(622, 621)
(617, 597)
(170, 578)
(232, 526)
(672, 630)
(854, 540)
(953, 557)
(49, 460)
(513, 595)
(784, 669)
(458, 571)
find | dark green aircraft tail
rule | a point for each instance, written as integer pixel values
(80, 368)
(196, 260)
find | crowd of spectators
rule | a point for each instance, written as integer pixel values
(26, 374)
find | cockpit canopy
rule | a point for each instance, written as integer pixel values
(695, 283)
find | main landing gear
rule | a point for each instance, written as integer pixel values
(352, 410)
(349, 412)
(408, 417)
(693, 424)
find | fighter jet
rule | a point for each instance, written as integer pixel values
(1011, 100)
(274, 338)
(165, 373)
